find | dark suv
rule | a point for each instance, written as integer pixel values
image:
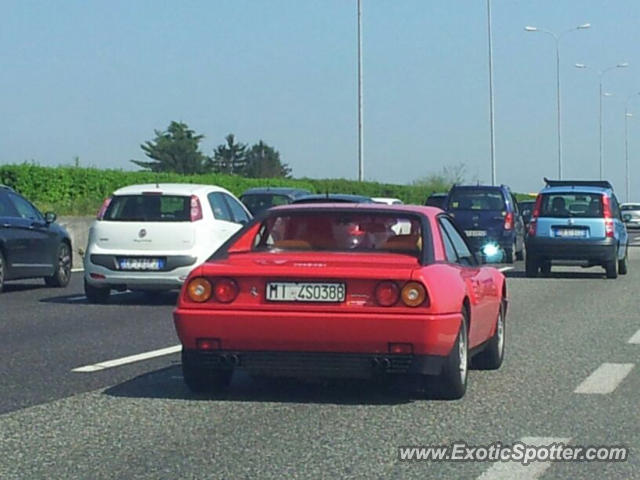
(31, 244)
(490, 218)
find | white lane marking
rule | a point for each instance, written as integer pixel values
(605, 378)
(83, 297)
(505, 269)
(511, 470)
(130, 359)
(635, 338)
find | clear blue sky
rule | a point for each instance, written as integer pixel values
(95, 78)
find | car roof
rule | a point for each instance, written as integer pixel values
(169, 188)
(365, 207)
(289, 191)
(339, 197)
(576, 189)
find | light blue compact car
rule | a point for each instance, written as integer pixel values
(576, 222)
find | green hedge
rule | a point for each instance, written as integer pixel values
(80, 191)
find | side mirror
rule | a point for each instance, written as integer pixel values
(50, 217)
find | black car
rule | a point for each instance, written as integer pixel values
(31, 244)
(334, 198)
(490, 218)
(262, 198)
(436, 200)
(526, 209)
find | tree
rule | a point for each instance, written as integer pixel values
(174, 150)
(263, 161)
(443, 180)
(229, 158)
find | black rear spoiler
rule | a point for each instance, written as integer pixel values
(578, 183)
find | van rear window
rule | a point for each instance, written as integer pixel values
(564, 205)
(149, 208)
(476, 199)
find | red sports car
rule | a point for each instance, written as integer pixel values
(339, 290)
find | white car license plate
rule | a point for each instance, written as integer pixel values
(475, 233)
(141, 264)
(571, 232)
(305, 292)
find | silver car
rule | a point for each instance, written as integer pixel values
(631, 214)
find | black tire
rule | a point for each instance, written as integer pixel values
(62, 275)
(204, 380)
(492, 356)
(3, 271)
(96, 294)
(453, 379)
(531, 266)
(520, 254)
(510, 253)
(611, 268)
(545, 268)
(622, 264)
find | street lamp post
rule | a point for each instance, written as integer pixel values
(491, 104)
(601, 94)
(626, 145)
(360, 135)
(557, 38)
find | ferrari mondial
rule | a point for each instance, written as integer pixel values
(343, 291)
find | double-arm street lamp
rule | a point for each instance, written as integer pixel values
(557, 38)
(600, 75)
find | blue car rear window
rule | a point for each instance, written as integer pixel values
(564, 205)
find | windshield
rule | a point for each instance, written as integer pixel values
(341, 231)
(476, 199)
(585, 205)
(259, 202)
(149, 208)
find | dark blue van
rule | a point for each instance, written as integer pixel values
(490, 218)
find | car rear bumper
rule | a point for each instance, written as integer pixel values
(504, 241)
(316, 364)
(300, 331)
(570, 249)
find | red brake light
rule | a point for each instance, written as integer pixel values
(387, 293)
(508, 221)
(196, 208)
(103, 208)
(225, 290)
(533, 223)
(608, 218)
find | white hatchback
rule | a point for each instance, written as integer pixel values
(149, 237)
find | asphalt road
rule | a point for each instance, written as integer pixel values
(138, 420)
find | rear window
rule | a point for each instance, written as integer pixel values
(341, 231)
(256, 203)
(149, 208)
(476, 199)
(564, 205)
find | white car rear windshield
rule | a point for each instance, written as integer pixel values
(149, 208)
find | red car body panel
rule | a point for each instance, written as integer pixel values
(357, 325)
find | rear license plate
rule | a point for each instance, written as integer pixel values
(571, 232)
(141, 264)
(305, 292)
(475, 233)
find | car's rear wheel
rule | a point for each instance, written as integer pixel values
(493, 354)
(531, 266)
(62, 274)
(96, 294)
(453, 379)
(622, 264)
(611, 267)
(204, 380)
(545, 267)
(520, 254)
(510, 253)
(2, 271)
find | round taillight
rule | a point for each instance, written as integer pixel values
(199, 289)
(413, 294)
(387, 293)
(225, 290)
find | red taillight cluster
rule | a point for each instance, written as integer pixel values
(508, 221)
(103, 208)
(196, 208)
(608, 217)
(412, 294)
(222, 290)
(533, 223)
